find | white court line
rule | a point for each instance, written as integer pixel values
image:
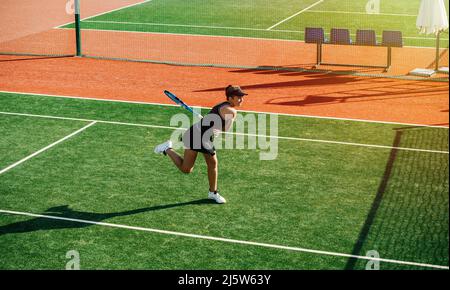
(246, 111)
(195, 35)
(233, 133)
(362, 13)
(106, 12)
(218, 27)
(120, 8)
(237, 37)
(89, 120)
(226, 240)
(340, 143)
(298, 13)
(45, 148)
(175, 25)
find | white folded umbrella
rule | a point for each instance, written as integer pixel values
(432, 17)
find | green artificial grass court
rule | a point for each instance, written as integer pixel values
(254, 18)
(328, 197)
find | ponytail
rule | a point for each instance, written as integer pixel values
(228, 91)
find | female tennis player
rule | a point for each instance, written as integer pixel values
(200, 136)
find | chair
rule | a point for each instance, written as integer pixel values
(366, 37)
(392, 39)
(314, 35)
(317, 36)
(340, 36)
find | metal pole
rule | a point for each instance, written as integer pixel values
(319, 54)
(436, 67)
(77, 26)
(389, 59)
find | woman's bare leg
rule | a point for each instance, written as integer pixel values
(212, 163)
(186, 164)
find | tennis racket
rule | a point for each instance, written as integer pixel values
(178, 101)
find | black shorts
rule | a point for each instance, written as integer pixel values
(196, 140)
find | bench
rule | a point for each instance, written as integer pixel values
(339, 36)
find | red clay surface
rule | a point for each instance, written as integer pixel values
(243, 52)
(317, 94)
(26, 26)
(19, 18)
(251, 52)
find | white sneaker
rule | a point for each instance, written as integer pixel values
(161, 148)
(216, 197)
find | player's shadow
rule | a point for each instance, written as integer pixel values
(45, 223)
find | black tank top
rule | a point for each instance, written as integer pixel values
(206, 124)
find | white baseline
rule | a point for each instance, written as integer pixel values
(214, 27)
(245, 111)
(226, 240)
(233, 133)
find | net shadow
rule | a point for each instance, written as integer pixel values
(409, 216)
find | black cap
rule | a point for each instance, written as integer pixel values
(234, 91)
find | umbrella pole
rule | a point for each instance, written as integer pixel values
(436, 66)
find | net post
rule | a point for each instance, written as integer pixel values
(77, 26)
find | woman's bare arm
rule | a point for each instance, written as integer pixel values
(228, 114)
